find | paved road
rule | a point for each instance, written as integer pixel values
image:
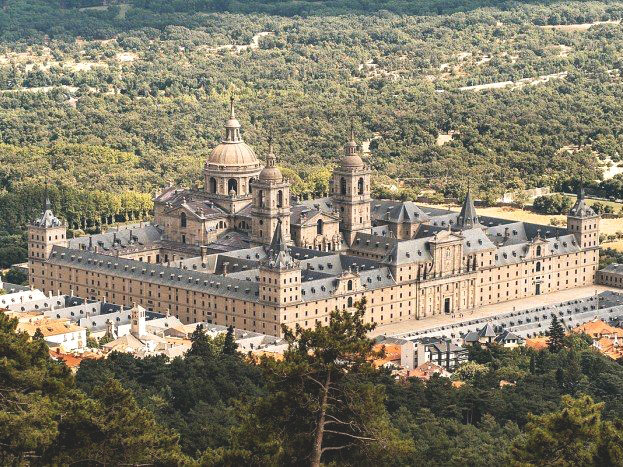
(490, 310)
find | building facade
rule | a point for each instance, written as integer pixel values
(242, 252)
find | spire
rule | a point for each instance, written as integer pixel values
(271, 158)
(232, 127)
(232, 115)
(581, 208)
(277, 243)
(350, 149)
(468, 218)
(279, 256)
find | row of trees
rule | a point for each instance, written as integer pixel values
(81, 208)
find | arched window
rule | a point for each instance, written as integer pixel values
(232, 185)
(343, 185)
(250, 187)
(260, 198)
(319, 227)
(280, 199)
(538, 266)
(212, 185)
(538, 250)
(183, 220)
(350, 302)
(349, 285)
(360, 186)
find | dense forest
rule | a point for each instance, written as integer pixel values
(112, 102)
(557, 406)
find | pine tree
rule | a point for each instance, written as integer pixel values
(230, 346)
(321, 406)
(555, 342)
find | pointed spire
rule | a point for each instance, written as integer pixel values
(468, 218)
(277, 244)
(581, 208)
(581, 194)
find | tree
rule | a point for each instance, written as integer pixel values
(321, 407)
(574, 435)
(556, 334)
(230, 346)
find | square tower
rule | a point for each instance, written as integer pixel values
(43, 234)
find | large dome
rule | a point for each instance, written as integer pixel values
(233, 154)
(233, 151)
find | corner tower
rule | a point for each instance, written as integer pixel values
(43, 234)
(230, 168)
(583, 222)
(271, 203)
(351, 191)
(280, 274)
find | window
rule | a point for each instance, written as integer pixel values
(538, 266)
(343, 185)
(260, 198)
(280, 199)
(232, 186)
(349, 285)
(538, 250)
(212, 185)
(360, 186)
(350, 302)
(183, 220)
(319, 227)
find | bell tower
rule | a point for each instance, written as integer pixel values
(351, 191)
(271, 203)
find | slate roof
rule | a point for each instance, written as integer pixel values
(613, 268)
(320, 204)
(155, 273)
(47, 218)
(507, 335)
(397, 211)
(195, 202)
(141, 237)
(581, 208)
(467, 217)
(487, 331)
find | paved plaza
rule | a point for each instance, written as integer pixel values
(490, 311)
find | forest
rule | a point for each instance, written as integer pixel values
(110, 103)
(558, 406)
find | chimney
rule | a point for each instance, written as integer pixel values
(204, 252)
(225, 265)
(506, 232)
